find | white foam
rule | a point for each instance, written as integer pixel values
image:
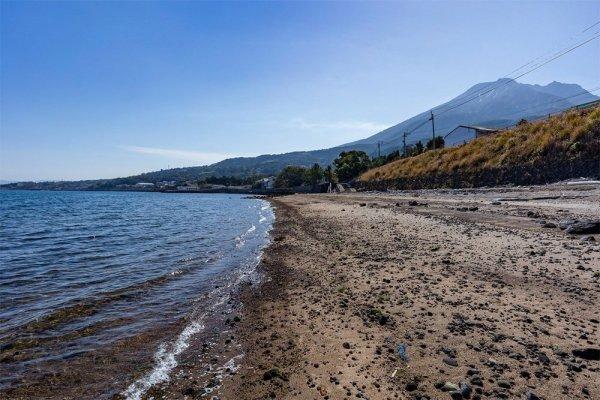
(231, 365)
(165, 361)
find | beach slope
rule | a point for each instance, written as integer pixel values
(429, 294)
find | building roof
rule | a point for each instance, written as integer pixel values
(473, 127)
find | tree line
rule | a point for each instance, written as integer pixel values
(347, 166)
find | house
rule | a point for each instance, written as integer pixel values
(267, 183)
(465, 133)
(144, 185)
(188, 187)
(166, 184)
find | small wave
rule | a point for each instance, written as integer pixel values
(239, 242)
(165, 362)
(166, 355)
(87, 307)
(262, 219)
(231, 365)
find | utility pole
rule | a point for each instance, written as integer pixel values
(378, 149)
(433, 128)
(404, 143)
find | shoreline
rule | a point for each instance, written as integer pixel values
(130, 366)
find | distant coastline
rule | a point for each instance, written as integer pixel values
(231, 190)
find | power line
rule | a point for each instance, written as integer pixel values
(552, 102)
(503, 83)
(478, 92)
(591, 26)
(491, 88)
(567, 51)
(541, 105)
(595, 89)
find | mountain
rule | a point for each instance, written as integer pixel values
(567, 90)
(507, 103)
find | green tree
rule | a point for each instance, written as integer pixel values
(290, 176)
(439, 143)
(314, 175)
(350, 164)
(377, 162)
(418, 149)
(393, 156)
(330, 175)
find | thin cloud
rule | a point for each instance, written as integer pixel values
(197, 156)
(352, 126)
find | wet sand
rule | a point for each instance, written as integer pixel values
(456, 296)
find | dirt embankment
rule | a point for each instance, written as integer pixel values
(558, 148)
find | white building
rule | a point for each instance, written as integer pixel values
(267, 183)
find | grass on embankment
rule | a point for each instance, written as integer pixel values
(566, 136)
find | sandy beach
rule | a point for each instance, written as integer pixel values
(426, 295)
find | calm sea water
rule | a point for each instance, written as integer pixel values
(79, 270)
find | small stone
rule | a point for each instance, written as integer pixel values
(532, 214)
(273, 373)
(589, 353)
(451, 361)
(504, 384)
(449, 387)
(531, 396)
(583, 227)
(465, 389)
(456, 395)
(476, 381)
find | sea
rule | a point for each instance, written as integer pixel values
(81, 271)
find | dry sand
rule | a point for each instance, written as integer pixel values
(366, 296)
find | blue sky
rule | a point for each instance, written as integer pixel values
(107, 89)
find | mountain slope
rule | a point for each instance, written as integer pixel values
(505, 105)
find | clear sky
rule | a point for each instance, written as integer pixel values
(107, 89)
